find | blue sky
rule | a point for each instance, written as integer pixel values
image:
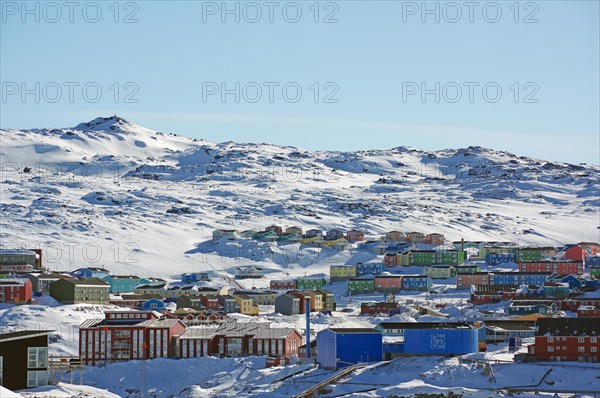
(370, 62)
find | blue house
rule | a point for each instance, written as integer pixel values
(152, 304)
(192, 277)
(416, 282)
(572, 280)
(124, 283)
(518, 278)
(343, 347)
(499, 258)
(90, 272)
(373, 268)
(592, 261)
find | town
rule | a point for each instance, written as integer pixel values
(543, 303)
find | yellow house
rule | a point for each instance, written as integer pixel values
(439, 271)
(338, 244)
(316, 300)
(404, 259)
(246, 305)
(341, 272)
(313, 240)
(395, 236)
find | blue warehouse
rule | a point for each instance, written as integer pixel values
(343, 347)
(446, 341)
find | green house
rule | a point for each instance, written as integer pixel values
(310, 283)
(595, 271)
(361, 286)
(529, 254)
(430, 257)
(265, 236)
(466, 269)
(124, 283)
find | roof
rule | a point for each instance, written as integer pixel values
(23, 334)
(13, 282)
(207, 332)
(353, 330)
(86, 282)
(266, 332)
(17, 252)
(124, 277)
(424, 325)
(568, 327)
(97, 269)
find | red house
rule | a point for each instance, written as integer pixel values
(388, 283)
(302, 296)
(126, 335)
(16, 291)
(574, 303)
(464, 281)
(573, 267)
(588, 311)
(435, 239)
(581, 250)
(355, 235)
(379, 308)
(282, 284)
(390, 259)
(566, 339)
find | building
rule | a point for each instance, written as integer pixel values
(80, 290)
(248, 271)
(582, 250)
(467, 268)
(302, 297)
(16, 291)
(566, 339)
(124, 283)
(228, 303)
(439, 271)
(334, 234)
(466, 280)
(282, 284)
(394, 236)
(388, 283)
(499, 258)
(246, 305)
(293, 230)
(355, 235)
(258, 296)
(90, 272)
(232, 339)
(416, 282)
(310, 283)
(192, 277)
(311, 233)
(588, 311)
(127, 335)
(391, 259)
(556, 289)
(574, 267)
(435, 239)
(16, 260)
(361, 285)
(40, 283)
(316, 300)
(415, 237)
(218, 234)
(24, 359)
(199, 302)
(341, 272)
(430, 257)
(343, 347)
(527, 307)
(572, 280)
(498, 331)
(287, 304)
(371, 268)
(518, 278)
(327, 299)
(379, 308)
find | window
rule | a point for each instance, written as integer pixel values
(550, 349)
(593, 339)
(550, 340)
(593, 349)
(580, 339)
(580, 349)
(37, 357)
(37, 378)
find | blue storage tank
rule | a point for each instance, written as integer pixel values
(344, 347)
(441, 341)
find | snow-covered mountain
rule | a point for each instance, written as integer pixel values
(112, 193)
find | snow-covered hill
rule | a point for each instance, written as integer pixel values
(112, 193)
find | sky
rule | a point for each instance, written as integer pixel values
(330, 75)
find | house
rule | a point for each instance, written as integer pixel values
(416, 282)
(566, 339)
(415, 237)
(316, 300)
(15, 290)
(287, 304)
(24, 359)
(90, 272)
(156, 289)
(152, 304)
(248, 272)
(394, 236)
(17, 260)
(496, 248)
(573, 303)
(574, 267)
(127, 335)
(80, 290)
(259, 297)
(374, 246)
(379, 308)
(466, 280)
(435, 239)
(556, 289)
(518, 278)
(391, 259)
(40, 282)
(355, 235)
(327, 299)
(362, 285)
(341, 272)
(498, 331)
(527, 307)
(228, 303)
(313, 350)
(310, 282)
(311, 233)
(173, 292)
(289, 238)
(532, 254)
(388, 283)
(293, 230)
(246, 305)
(499, 258)
(588, 311)
(198, 302)
(191, 317)
(278, 284)
(123, 283)
(339, 347)
(335, 244)
(334, 234)
(302, 297)
(239, 339)
(192, 277)
(572, 280)
(430, 257)
(274, 228)
(582, 250)
(594, 266)
(312, 240)
(371, 268)
(439, 271)
(219, 234)
(467, 268)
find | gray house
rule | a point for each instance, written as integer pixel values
(228, 303)
(287, 304)
(41, 282)
(80, 290)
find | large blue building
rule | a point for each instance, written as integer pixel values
(519, 278)
(416, 282)
(373, 268)
(344, 347)
(499, 258)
